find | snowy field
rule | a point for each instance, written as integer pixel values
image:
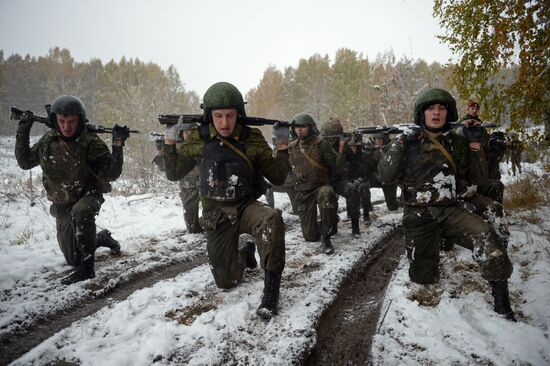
(187, 320)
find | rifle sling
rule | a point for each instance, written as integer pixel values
(444, 151)
(313, 162)
(240, 153)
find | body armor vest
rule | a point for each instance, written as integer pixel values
(224, 175)
(428, 177)
(307, 175)
(66, 177)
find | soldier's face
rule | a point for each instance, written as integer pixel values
(472, 111)
(67, 123)
(224, 121)
(435, 115)
(302, 132)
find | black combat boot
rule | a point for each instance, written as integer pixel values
(248, 252)
(82, 272)
(355, 227)
(268, 308)
(104, 239)
(499, 290)
(326, 244)
(366, 217)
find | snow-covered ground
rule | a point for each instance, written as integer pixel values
(187, 320)
(460, 328)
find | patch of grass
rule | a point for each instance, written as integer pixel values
(23, 237)
(426, 296)
(527, 193)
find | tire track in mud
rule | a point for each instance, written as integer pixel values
(347, 326)
(15, 344)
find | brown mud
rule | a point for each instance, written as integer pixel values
(346, 328)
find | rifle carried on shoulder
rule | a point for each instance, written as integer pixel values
(17, 114)
(172, 119)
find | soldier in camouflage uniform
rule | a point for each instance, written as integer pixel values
(77, 167)
(472, 113)
(516, 148)
(233, 159)
(287, 187)
(313, 160)
(373, 156)
(341, 181)
(189, 185)
(428, 161)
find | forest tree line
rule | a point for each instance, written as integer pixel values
(360, 91)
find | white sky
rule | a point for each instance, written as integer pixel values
(209, 41)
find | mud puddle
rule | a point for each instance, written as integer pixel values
(346, 328)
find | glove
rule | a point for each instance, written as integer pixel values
(24, 127)
(473, 133)
(171, 131)
(120, 133)
(282, 133)
(409, 134)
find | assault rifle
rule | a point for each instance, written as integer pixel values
(172, 119)
(484, 125)
(17, 114)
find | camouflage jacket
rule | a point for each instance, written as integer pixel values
(308, 176)
(180, 162)
(426, 176)
(71, 169)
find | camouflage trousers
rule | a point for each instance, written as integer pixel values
(425, 227)
(492, 212)
(190, 198)
(326, 199)
(76, 229)
(390, 196)
(350, 190)
(270, 199)
(494, 190)
(227, 262)
(516, 163)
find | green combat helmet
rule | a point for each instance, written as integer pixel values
(66, 104)
(333, 127)
(222, 95)
(433, 96)
(304, 119)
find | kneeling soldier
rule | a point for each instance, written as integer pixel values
(77, 167)
(427, 162)
(233, 160)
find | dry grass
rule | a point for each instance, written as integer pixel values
(527, 193)
(426, 296)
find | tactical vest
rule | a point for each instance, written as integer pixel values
(428, 178)
(224, 175)
(65, 177)
(307, 176)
